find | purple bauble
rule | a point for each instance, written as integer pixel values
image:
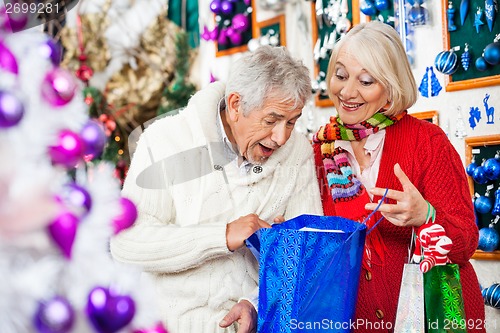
(94, 138)
(68, 149)
(76, 198)
(222, 39)
(58, 87)
(8, 61)
(109, 312)
(236, 38)
(13, 22)
(226, 7)
(63, 232)
(127, 216)
(492, 168)
(483, 204)
(216, 6)
(488, 239)
(11, 109)
(54, 316)
(158, 328)
(51, 50)
(479, 175)
(240, 22)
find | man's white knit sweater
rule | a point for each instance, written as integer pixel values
(186, 193)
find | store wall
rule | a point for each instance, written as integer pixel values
(428, 43)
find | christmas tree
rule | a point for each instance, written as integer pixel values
(58, 205)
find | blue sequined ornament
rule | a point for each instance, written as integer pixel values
(488, 239)
(451, 16)
(481, 64)
(492, 168)
(435, 85)
(471, 167)
(491, 295)
(446, 62)
(424, 85)
(483, 204)
(464, 10)
(496, 206)
(477, 19)
(492, 53)
(479, 175)
(368, 8)
(490, 12)
(418, 15)
(466, 57)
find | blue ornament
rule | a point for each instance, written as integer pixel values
(488, 239)
(481, 64)
(477, 19)
(491, 295)
(483, 204)
(475, 116)
(490, 12)
(479, 175)
(381, 4)
(423, 88)
(435, 86)
(496, 206)
(471, 167)
(492, 168)
(490, 112)
(466, 57)
(418, 15)
(464, 10)
(446, 62)
(368, 8)
(492, 53)
(451, 15)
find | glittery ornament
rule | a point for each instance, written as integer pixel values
(479, 175)
(496, 206)
(492, 168)
(424, 84)
(466, 57)
(435, 85)
(11, 109)
(488, 239)
(54, 316)
(490, 11)
(471, 167)
(483, 203)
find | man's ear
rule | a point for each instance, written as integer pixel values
(233, 106)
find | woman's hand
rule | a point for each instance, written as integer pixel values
(410, 208)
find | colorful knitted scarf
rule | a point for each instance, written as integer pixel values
(348, 193)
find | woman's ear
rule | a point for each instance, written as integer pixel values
(233, 106)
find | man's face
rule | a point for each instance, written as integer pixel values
(262, 131)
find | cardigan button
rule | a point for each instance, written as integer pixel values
(368, 276)
(257, 169)
(379, 314)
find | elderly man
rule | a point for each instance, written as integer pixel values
(208, 178)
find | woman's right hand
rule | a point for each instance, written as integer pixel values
(239, 230)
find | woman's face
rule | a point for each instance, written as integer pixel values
(356, 94)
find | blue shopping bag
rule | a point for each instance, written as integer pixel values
(308, 278)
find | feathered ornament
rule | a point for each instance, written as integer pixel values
(464, 10)
(490, 10)
(424, 85)
(466, 57)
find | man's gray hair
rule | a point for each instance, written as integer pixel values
(269, 73)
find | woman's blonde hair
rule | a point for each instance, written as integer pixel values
(378, 48)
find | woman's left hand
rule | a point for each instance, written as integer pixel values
(410, 208)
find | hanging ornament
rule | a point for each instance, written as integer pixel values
(496, 206)
(464, 10)
(127, 216)
(483, 203)
(11, 109)
(481, 64)
(8, 61)
(68, 149)
(418, 15)
(471, 167)
(424, 84)
(158, 328)
(108, 311)
(58, 87)
(381, 4)
(477, 19)
(240, 22)
(367, 7)
(343, 23)
(54, 316)
(479, 175)
(475, 116)
(451, 16)
(492, 167)
(490, 12)
(76, 199)
(435, 85)
(466, 57)
(51, 50)
(205, 35)
(460, 131)
(488, 238)
(215, 6)
(491, 295)
(94, 138)
(63, 232)
(446, 62)
(491, 52)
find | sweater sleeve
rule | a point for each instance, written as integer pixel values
(155, 242)
(442, 182)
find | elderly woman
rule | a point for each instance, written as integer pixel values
(208, 178)
(373, 145)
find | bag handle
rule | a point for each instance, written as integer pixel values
(373, 212)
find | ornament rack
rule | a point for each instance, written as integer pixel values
(276, 25)
(466, 33)
(487, 146)
(430, 116)
(322, 31)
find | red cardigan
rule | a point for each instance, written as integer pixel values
(435, 168)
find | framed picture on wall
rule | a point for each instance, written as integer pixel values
(430, 116)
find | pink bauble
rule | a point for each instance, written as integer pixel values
(240, 22)
(127, 216)
(7, 60)
(63, 232)
(158, 328)
(58, 87)
(13, 22)
(222, 39)
(214, 34)
(205, 35)
(68, 149)
(236, 38)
